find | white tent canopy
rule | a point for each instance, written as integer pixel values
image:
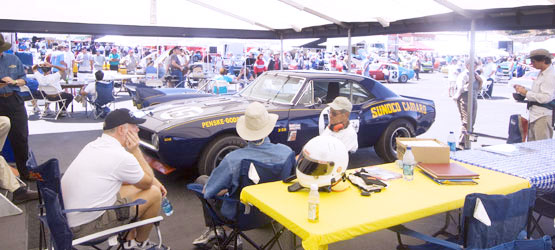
(240, 14)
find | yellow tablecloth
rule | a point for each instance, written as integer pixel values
(345, 215)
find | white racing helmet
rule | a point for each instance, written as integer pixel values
(323, 161)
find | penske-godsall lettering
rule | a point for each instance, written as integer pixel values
(219, 122)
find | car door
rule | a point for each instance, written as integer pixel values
(303, 118)
(377, 74)
(393, 73)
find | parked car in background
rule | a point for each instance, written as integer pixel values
(396, 72)
(427, 67)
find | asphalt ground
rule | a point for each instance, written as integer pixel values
(63, 139)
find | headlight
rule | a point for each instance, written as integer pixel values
(155, 140)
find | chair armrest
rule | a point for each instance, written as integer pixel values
(197, 188)
(95, 209)
(116, 230)
(404, 230)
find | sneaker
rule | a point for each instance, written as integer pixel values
(146, 245)
(36, 110)
(239, 244)
(208, 236)
(63, 114)
(47, 112)
(23, 194)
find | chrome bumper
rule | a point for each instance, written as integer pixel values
(148, 145)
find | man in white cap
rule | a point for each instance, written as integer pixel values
(254, 127)
(340, 110)
(542, 92)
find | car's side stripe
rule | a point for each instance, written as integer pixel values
(208, 117)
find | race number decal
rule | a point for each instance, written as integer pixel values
(179, 113)
(394, 75)
(355, 124)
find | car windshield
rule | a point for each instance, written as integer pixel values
(274, 88)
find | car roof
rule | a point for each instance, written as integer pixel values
(318, 74)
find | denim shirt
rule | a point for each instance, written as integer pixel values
(11, 66)
(226, 175)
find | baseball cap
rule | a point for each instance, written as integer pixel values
(341, 103)
(540, 52)
(119, 117)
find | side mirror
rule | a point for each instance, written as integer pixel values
(319, 101)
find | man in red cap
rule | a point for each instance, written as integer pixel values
(114, 59)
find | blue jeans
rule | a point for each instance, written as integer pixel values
(179, 77)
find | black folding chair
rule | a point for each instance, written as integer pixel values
(246, 217)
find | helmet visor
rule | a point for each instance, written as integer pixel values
(314, 168)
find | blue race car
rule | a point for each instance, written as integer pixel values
(144, 96)
(200, 131)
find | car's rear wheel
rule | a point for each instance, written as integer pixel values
(403, 78)
(216, 150)
(386, 148)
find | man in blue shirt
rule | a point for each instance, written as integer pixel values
(254, 127)
(12, 76)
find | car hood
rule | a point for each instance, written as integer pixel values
(170, 114)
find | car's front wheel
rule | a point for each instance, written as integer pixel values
(386, 148)
(403, 78)
(216, 150)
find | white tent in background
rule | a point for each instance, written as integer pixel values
(548, 44)
(241, 14)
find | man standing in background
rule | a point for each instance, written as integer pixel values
(542, 92)
(12, 105)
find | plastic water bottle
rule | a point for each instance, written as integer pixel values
(452, 143)
(313, 203)
(408, 165)
(167, 207)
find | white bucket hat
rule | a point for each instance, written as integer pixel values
(257, 123)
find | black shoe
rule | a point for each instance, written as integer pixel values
(23, 194)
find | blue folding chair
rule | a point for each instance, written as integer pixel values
(104, 97)
(509, 216)
(252, 218)
(52, 213)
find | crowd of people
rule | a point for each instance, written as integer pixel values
(112, 169)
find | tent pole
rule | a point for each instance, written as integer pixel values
(349, 48)
(281, 52)
(470, 112)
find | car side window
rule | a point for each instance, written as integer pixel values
(327, 91)
(360, 94)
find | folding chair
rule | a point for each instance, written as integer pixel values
(486, 90)
(544, 207)
(104, 97)
(52, 214)
(52, 92)
(245, 217)
(507, 215)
